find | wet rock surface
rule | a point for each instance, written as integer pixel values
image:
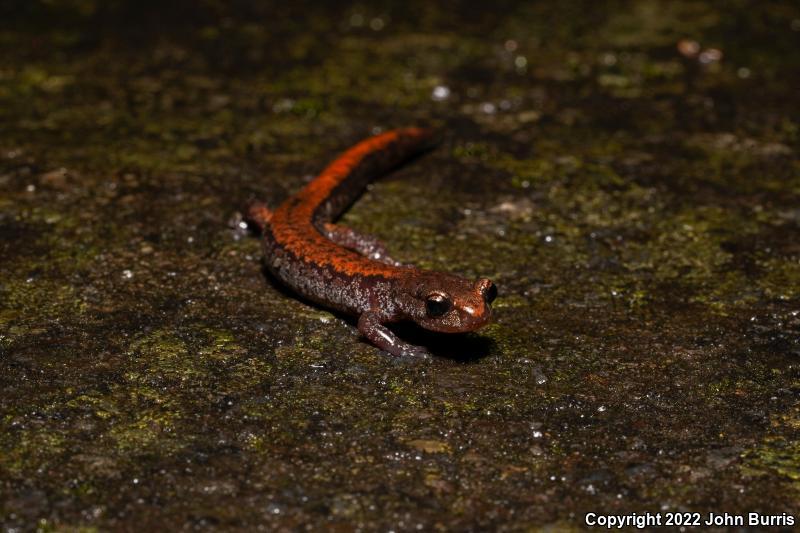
(627, 174)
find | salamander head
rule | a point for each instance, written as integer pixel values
(448, 303)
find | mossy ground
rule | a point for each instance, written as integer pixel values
(637, 208)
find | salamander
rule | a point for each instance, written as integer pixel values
(342, 269)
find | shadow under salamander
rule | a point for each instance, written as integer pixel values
(460, 347)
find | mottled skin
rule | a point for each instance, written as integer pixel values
(340, 268)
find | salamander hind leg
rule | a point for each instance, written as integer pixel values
(366, 245)
(370, 326)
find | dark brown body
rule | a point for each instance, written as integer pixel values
(344, 270)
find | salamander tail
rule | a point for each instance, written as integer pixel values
(433, 138)
(259, 215)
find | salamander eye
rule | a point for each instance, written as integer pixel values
(490, 293)
(437, 305)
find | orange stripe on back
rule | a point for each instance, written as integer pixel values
(292, 223)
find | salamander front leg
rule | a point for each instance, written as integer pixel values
(369, 325)
(366, 245)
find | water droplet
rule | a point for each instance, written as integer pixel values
(440, 93)
(127, 274)
(711, 55)
(356, 20)
(377, 24)
(282, 105)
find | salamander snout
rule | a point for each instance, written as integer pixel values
(456, 305)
